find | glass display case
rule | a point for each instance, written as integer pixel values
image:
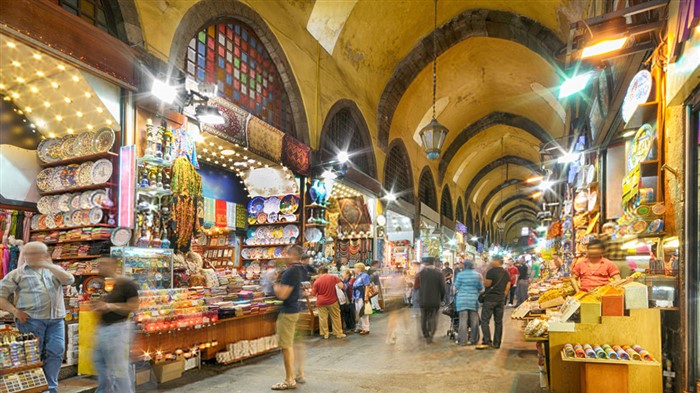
(152, 268)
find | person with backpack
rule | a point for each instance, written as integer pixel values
(497, 284)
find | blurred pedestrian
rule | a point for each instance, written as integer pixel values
(360, 296)
(449, 276)
(115, 331)
(347, 311)
(39, 308)
(468, 285)
(395, 288)
(268, 278)
(325, 289)
(523, 281)
(513, 275)
(432, 294)
(497, 283)
(375, 279)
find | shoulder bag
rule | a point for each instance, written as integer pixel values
(482, 296)
(342, 298)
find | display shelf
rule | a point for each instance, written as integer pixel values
(76, 189)
(12, 370)
(316, 225)
(69, 228)
(535, 339)
(38, 389)
(263, 259)
(216, 247)
(76, 241)
(154, 161)
(77, 257)
(81, 159)
(268, 245)
(608, 361)
(250, 356)
(645, 113)
(153, 192)
(274, 223)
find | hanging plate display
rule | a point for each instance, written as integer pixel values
(639, 227)
(641, 145)
(44, 179)
(101, 171)
(291, 231)
(58, 220)
(64, 202)
(656, 226)
(69, 176)
(256, 206)
(278, 252)
(67, 146)
(313, 235)
(84, 143)
(637, 93)
(272, 218)
(85, 173)
(54, 205)
(103, 140)
(42, 222)
(95, 216)
(68, 220)
(659, 209)
(250, 234)
(262, 218)
(44, 205)
(643, 211)
(272, 205)
(75, 201)
(50, 223)
(85, 202)
(98, 198)
(50, 150)
(289, 204)
(85, 217)
(245, 253)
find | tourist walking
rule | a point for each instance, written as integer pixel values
(513, 275)
(468, 285)
(374, 278)
(325, 289)
(347, 311)
(289, 290)
(523, 281)
(449, 276)
(39, 307)
(360, 296)
(497, 283)
(432, 295)
(114, 335)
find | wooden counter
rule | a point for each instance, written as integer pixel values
(225, 331)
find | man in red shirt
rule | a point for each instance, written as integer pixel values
(513, 272)
(593, 271)
(324, 289)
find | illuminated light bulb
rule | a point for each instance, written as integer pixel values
(88, 95)
(70, 130)
(36, 56)
(28, 110)
(19, 79)
(99, 110)
(16, 63)
(61, 67)
(75, 78)
(206, 150)
(11, 44)
(211, 143)
(15, 95)
(221, 147)
(89, 126)
(34, 89)
(208, 159)
(41, 123)
(79, 114)
(109, 122)
(52, 135)
(54, 85)
(59, 117)
(2, 86)
(41, 74)
(67, 100)
(47, 104)
(603, 47)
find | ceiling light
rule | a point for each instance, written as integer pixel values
(54, 85)
(16, 63)
(343, 157)
(34, 89)
(206, 150)
(15, 95)
(545, 185)
(89, 127)
(99, 110)
(568, 158)
(19, 79)
(88, 95)
(59, 117)
(629, 134)
(2, 86)
(11, 44)
(28, 110)
(41, 74)
(41, 123)
(67, 100)
(47, 104)
(163, 91)
(604, 46)
(227, 152)
(391, 197)
(52, 135)
(61, 67)
(109, 122)
(70, 130)
(208, 114)
(534, 179)
(575, 84)
(75, 78)
(36, 56)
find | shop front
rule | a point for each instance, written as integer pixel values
(399, 251)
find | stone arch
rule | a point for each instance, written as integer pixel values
(469, 220)
(426, 188)
(345, 125)
(486, 122)
(446, 203)
(499, 188)
(508, 200)
(127, 21)
(514, 224)
(517, 210)
(471, 23)
(207, 12)
(506, 160)
(459, 212)
(398, 176)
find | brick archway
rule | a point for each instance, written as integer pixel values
(509, 200)
(506, 160)
(398, 176)
(518, 209)
(472, 23)
(497, 189)
(363, 158)
(206, 12)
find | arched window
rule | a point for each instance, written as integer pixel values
(95, 12)
(459, 213)
(426, 189)
(397, 172)
(469, 221)
(230, 55)
(346, 130)
(446, 203)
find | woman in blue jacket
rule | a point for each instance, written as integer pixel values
(468, 285)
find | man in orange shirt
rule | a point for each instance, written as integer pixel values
(327, 302)
(593, 271)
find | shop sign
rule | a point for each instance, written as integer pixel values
(461, 228)
(630, 184)
(637, 93)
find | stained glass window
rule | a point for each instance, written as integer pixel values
(231, 56)
(95, 12)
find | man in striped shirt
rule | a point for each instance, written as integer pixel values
(468, 285)
(38, 287)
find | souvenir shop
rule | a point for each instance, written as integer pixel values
(400, 235)
(430, 242)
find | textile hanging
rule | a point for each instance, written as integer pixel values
(209, 211)
(354, 216)
(265, 139)
(355, 250)
(296, 155)
(241, 214)
(220, 213)
(231, 215)
(233, 129)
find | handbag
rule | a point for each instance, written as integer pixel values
(449, 310)
(372, 291)
(482, 296)
(368, 309)
(342, 297)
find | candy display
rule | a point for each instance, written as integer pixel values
(607, 352)
(22, 381)
(18, 350)
(151, 268)
(170, 309)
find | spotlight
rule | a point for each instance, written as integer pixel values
(575, 84)
(343, 157)
(604, 46)
(163, 91)
(207, 114)
(568, 158)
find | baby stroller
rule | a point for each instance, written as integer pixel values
(449, 310)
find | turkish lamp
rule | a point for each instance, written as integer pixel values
(433, 137)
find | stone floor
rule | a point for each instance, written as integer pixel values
(368, 364)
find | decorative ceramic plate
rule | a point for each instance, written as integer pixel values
(272, 205)
(68, 220)
(291, 231)
(42, 222)
(34, 224)
(85, 217)
(50, 223)
(85, 173)
(70, 176)
(54, 205)
(50, 150)
(639, 226)
(289, 204)
(659, 209)
(95, 215)
(94, 284)
(581, 201)
(592, 201)
(278, 252)
(262, 218)
(67, 145)
(85, 202)
(44, 179)
(76, 217)
(590, 175)
(75, 201)
(56, 183)
(103, 140)
(641, 145)
(272, 218)
(64, 202)
(101, 171)
(84, 143)
(656, 225)
(245, 253)
(44, 205)
(252, 220)
(256, 206)
(313, 235)
(250, 233)
(98, 198)
(643, 211)
(58, 220)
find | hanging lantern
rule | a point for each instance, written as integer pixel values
(433, 137)
(501, 225)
